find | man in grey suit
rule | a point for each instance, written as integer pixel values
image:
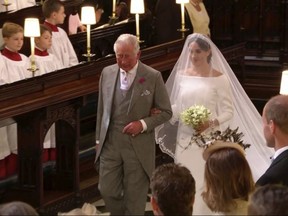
(125, 141)
(275, 127)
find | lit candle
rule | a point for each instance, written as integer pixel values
(137, 26)
(114, 8)
(182, 16)
(88, 39)
(33, 66)
(284, 83)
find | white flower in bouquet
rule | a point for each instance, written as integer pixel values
(195, 115)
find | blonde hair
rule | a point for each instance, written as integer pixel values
(10, 29)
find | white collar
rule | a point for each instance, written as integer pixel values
(279, 151)
(132, 71)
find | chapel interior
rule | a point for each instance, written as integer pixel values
(252, 35)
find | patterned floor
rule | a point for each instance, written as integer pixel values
(100, 205)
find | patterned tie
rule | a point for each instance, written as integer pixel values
(125, 82)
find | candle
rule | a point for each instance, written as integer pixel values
(6, 2)
(88, 39)
(182, 16)
(33, 66)
(114, 8)
(284, 81)
(137, 26)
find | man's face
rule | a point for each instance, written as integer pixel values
(126, 58)
(267, 130)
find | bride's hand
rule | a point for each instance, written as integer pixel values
(202, 127)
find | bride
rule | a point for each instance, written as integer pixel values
(202, 76)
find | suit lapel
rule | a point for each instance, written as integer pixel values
(279, 158)
(110, 86)
(137, 86)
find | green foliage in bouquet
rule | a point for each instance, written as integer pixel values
(227, 135)
(195, 115)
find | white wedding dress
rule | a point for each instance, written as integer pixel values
(206, 91)
(228, 102)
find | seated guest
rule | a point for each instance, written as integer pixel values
(122, 11)
(275, 127)
(16, 64)
(54, 13)
(173, 190)
(75, 24)
(17, 208)
(269, 200)
(228, 178)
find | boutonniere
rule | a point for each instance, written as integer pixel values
(142, 80)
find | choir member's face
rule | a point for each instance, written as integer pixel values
(198, 56)
(44, 41)
(267, 130)
(126, 57)
(59, 16)
(14, 42)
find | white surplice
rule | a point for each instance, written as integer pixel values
(63, 49)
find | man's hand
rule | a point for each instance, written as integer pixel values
(133, 128)
(97, 147)
(154, 111)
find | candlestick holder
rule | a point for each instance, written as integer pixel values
(32, 30)
(183, 29)
(88, 55)
(113, 19)
(6, 5)
(88, 17)
(33, 68)
(137, 7)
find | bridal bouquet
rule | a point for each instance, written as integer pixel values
(195, 115)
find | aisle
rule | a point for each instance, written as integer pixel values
(100, 205)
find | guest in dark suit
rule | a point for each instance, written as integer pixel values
(125, 140)
(275, 128)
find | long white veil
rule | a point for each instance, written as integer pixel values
(246, 116)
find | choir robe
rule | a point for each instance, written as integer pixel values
(17, 4)
(4, 145)
(46, 62)
(62, 47)
(16, 69)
